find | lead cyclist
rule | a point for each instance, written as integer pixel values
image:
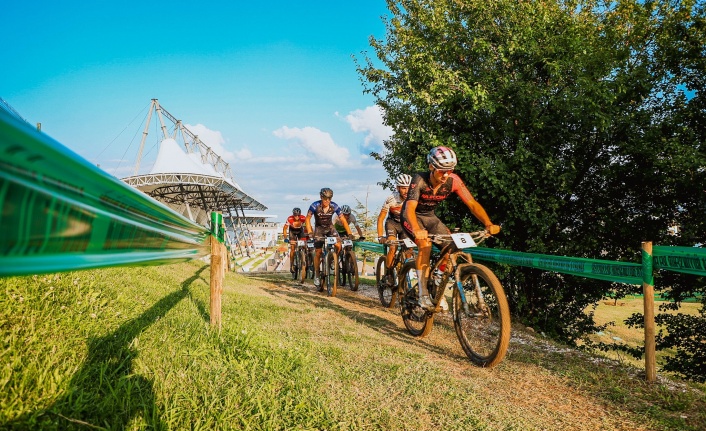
(426, 191)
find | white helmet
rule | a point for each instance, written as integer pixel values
(403, 180)
(345, 209)
(442, 158)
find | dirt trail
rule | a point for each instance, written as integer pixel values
(512, 389)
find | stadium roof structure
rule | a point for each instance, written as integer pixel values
(191, 179)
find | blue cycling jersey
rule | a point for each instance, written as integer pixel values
(321, 216)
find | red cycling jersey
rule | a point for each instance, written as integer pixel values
(295, 222)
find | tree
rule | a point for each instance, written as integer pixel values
(367, 224)
(577, 124)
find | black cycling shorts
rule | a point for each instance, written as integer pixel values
(428, 222)
(295, 234)
(394, 228)
(322, 232)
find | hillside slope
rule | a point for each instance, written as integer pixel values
(131, 348)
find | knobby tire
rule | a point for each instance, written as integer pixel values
(418, 321)
(484, 332)
(386, 291)
(352, 269)
(303, 266)
(331, 273)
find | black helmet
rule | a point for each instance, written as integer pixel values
(345, 209)
(297, 211)
(326, 193)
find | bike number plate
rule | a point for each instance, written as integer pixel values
(347, 242)
(301, 243)
(409, 243)
(463, 240)
(310, 244)
(330, 240)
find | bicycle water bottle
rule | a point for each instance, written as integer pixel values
(412, 280)
(436, 277)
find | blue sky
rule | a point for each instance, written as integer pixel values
(271, 86)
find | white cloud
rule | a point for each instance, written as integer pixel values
(243, 154)
(213, 139)
(318, 143)
(369, 120)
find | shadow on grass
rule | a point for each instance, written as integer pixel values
(389, 325)
(105, 393)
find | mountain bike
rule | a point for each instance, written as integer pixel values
(299, 261)
(348, 266)
(481, 314)
(328, 267)
(386, 279)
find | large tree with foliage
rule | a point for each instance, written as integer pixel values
(578, 125)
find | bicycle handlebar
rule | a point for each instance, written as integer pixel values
(478, 236)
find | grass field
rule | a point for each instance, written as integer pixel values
(132, 349)
(614, 313)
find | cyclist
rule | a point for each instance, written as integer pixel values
(391, 210)
(295, 225)
(350, 218)
(418, 218)
(323, 211)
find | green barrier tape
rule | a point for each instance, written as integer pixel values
(370, 246)
(647, 268)
(619, 272)
(689, 260)
(58, 212)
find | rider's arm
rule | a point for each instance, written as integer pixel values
(360, 232)
(344, 222)
(410, 213)
(381, 219)
(476, 209)
(309, 230)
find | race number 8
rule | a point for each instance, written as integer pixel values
(463, 240)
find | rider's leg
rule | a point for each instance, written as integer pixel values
(291, 255)
(317, 260)
(422, 265)
(389, 259)
(390, 252)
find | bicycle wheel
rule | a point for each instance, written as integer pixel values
(331, 273)
(296, 265)
(351, 264)
(304, 267)
(309, 265)
(417, 320)
(342, 274)
(322, 274)
(384, 289)
(482, 321)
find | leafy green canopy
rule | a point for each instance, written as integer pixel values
(578, 125)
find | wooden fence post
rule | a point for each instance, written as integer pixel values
(649, 311)
(216, 275)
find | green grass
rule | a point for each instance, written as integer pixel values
(132, 348)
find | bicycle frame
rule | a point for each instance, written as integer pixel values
(299, 260)
(348, 271)
(402, 248)
(451, 251)
(325, 264)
